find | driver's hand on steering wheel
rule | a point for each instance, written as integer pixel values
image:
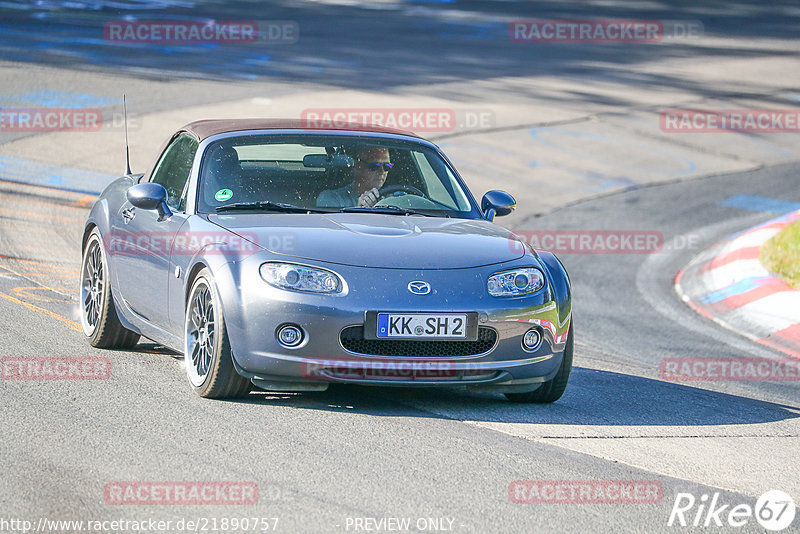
(369, 198)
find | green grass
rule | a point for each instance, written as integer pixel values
(781, 254)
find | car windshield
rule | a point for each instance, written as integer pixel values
(330, 173)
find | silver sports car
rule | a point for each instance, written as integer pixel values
(274, 254)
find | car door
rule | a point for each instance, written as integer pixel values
(143, 253)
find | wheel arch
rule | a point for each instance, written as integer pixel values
(87, 231)
(560, 283)
(191, 277)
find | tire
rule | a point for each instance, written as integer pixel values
(99, 319)
(206, 348)
(551, 390)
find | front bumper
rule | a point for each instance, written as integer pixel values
(255, 310)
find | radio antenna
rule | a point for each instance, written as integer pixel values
(127, 152)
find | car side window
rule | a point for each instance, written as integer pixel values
(174, 167)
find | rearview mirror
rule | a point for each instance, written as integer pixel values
(497, 203)
(150, 196)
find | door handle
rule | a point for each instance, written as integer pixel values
(128, 215)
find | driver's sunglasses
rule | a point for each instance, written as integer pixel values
(378, 166)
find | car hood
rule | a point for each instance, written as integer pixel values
(377, 240)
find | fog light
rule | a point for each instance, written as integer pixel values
(531, 340)
(290, 335)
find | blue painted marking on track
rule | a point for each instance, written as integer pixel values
(475, 31)
(486, 31)
(26, 171)
(742, 286)
(94, 5)
(754, 203)
(78, 43)
(609, 182)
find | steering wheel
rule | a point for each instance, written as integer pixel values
(390, 190)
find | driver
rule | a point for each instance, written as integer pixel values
(369, 173)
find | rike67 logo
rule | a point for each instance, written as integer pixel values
(774, 511)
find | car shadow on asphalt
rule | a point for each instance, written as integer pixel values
(155, 348)
(592, 397)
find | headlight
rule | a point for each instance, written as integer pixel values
(516, 282)
(301, 278)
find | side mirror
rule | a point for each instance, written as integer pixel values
(150, 196)
(497, 203)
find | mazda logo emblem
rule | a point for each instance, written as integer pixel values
(418, 287)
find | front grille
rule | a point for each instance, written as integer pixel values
(352, 339)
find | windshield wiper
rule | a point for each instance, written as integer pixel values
(388, 210)
(267, 205)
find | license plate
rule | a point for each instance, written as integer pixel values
(455, 326)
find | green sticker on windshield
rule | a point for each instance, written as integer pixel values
(223, 194)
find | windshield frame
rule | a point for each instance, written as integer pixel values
(293, 134)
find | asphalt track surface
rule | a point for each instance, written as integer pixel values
(320, 460)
